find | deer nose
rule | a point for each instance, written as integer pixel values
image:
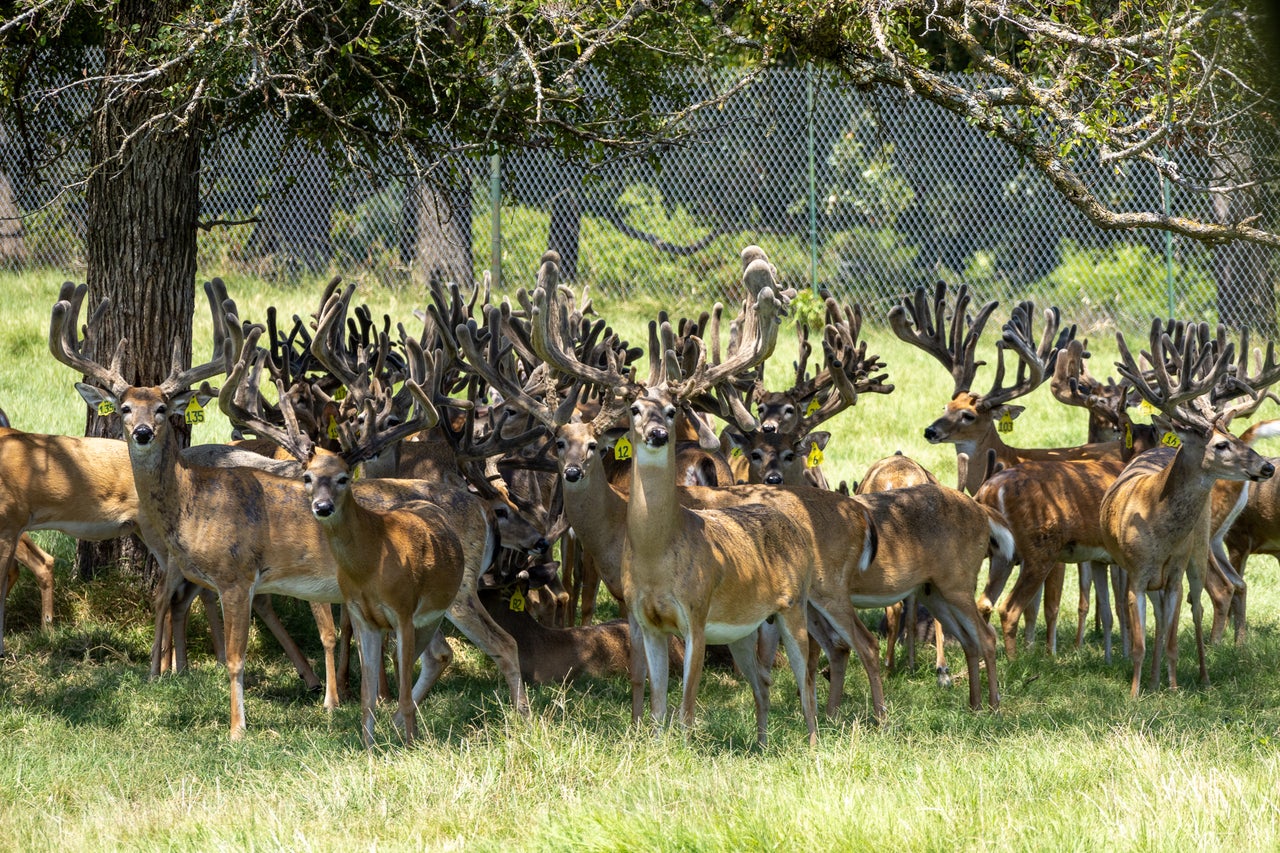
(658, 437)
(322, 508)
(1267, 470)
(773, 478)
(572, 473)
(931, 434)
(769, 427)
(142, 434)
(540, 546)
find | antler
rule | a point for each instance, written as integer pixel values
(1035, 363)
(847, 367)
(1179, 376)
(911, 321)
(242, 402)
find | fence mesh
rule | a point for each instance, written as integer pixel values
(865, 193)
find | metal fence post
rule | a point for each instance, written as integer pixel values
(495, 221)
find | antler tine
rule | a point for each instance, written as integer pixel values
(1241, 382)
(373, 438)
(240, 398)
(911, 322)
(470, 341)
(847, 366)
(1195, 376)
(67, 348)
(549, 342)
(1034, 362)
(178, 378)
(326, 345)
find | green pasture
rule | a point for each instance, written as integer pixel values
(95, 756)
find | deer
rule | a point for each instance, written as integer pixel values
(973, 421)
(1156, 515)
(1256, 530)
(398, 568)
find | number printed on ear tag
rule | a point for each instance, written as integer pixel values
(1170, 439)
(813, 406)
(106, 407)
(1005, 424)
(341, 393)
(622, 450)
(1147, 408)
(517, 601)
(1128, 436)
(195, 412)
(736, 452)
(333, 428)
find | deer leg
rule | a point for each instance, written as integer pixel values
(323, 613)
(1053, 605)
(893, 624)
(1195, 586)
(1119, 585)
(1221, 595)
(1023, 600)
(180, 615)
(997, 576)
(1098, 574)
(1082, 606)
(743, 651)
(657, 661)
(370, 639)
(169, 590)
(1167, 634)
(795, 636)
(1238, 613)
(571, 566)
(40, 563)
(469, 616)
(344, 652)
(8, 574)
(823, 635)
(591, 588)
(941, 671)
(849, 629)
(695, 657)
(1137, 608)
(237, 609)
(435, 656)
(638, 669)
(943, 611)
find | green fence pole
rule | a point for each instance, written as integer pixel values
(813, 189)
(1168, 243)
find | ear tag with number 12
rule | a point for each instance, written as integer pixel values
(195, 412)
(1005, 424)
(622, 450)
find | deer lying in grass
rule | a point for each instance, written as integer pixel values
(1156, 516)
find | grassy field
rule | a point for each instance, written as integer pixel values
(93, 755)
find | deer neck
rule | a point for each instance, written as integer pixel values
(350, 530)
(978, 450)
(598, 514)
(163, 480)
(653, 508)
(1185, 488)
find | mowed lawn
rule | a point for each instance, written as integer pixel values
(93, 755)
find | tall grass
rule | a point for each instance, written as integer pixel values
(93, 755)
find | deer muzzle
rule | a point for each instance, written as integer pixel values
(143, 434)
(322, 508)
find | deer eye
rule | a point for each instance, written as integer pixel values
(125, 409)
(671, 412)
(1222, 445)
(160, 410)
(635, 411)
(306, 479)
(591, 447)
(500, 512)
(788, 410)
(757, 455)
(560, 444)
(788, 456)
(967, 417)
(343, 480)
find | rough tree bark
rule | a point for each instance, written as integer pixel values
(141, 242)
(1246, 293)
(438, 234)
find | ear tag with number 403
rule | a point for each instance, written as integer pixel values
(106, 407)
(517, 601)
(1170, 439)
(1005, 424)
(622, 449)
(195, 412)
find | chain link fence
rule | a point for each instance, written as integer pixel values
(868, 194)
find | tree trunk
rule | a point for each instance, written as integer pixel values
(1246, 294)
(564, 230)
(13, 244)
(143, 202)
(438, 234)
(294, 231)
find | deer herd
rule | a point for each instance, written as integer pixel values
(421, 476)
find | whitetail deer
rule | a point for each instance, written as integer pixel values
(398, 569)
(1256, 530)
(1156, 516)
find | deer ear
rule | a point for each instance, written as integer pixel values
(818, 437)
(731, 439)
(610, 437)
(95, 396)
(1011, 411)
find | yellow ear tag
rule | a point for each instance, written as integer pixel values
(517, 601)
(813, 406)
(1005, 424)
(195, 412)
(106, 407)
(1170, 439)
(815, 455)
(341, 393)
(333, 428)
(736, 452)
(622, 450)
(1128, 436)
(1147, 408)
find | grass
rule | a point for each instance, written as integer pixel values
(93, 755)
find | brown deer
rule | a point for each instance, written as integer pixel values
(1156, 516)
(398, 568)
